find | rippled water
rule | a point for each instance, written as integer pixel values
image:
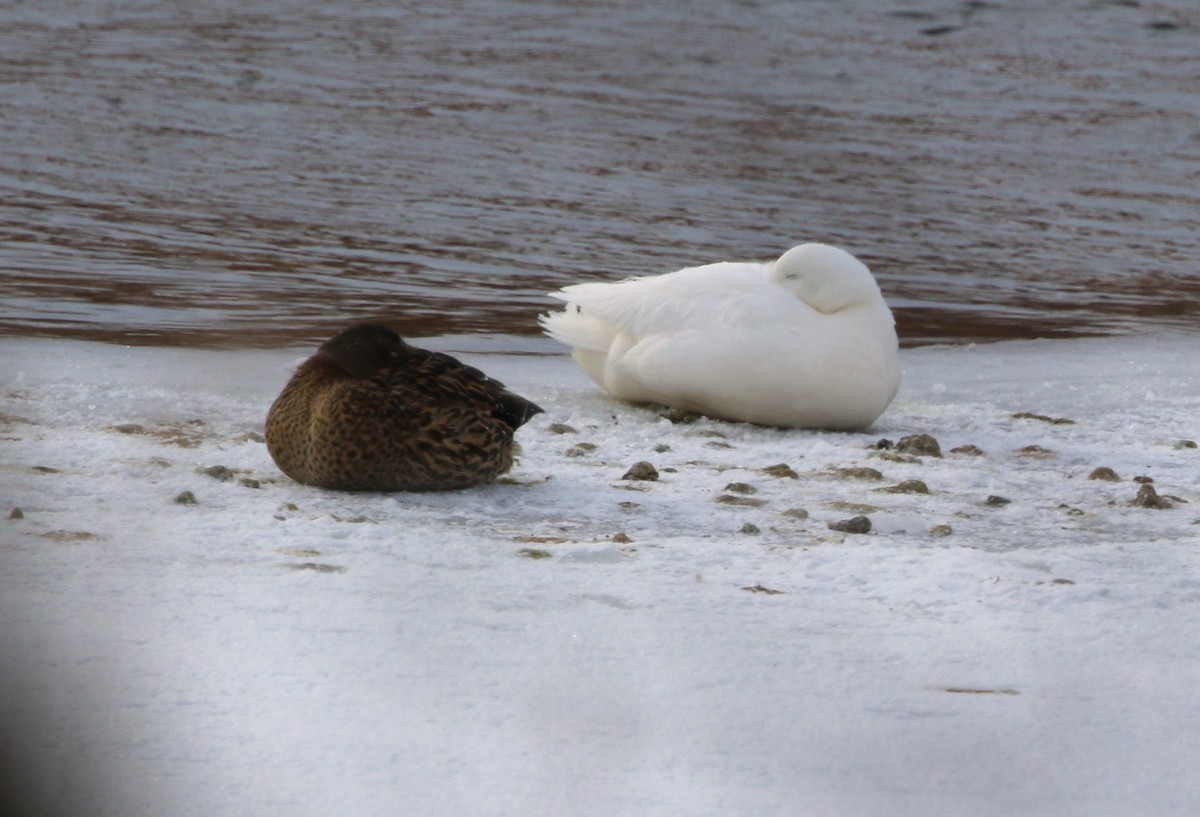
(258, 172)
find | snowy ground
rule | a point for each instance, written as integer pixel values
(569, 642)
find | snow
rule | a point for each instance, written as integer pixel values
(287, 650)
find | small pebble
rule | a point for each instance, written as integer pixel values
(998, 501)
(861, 472)
(679, 416)
(621, 539)
(247, 482)
(1036, 451)
(908, 486)
(185, 498)
(1182, 444)
(16, 513)
(1144, 480)
(780, 471)
(561, 428)
(856, 524)
(968, 450)
(1105, 474)
(661, 448)
(922, 445)
(883, 444)
(941, 530)
(217, 472)
(741, 488)
(795, 513)
(642, 471)
(750, 528)
(743, 501)
(581, 449)
(1147, 497)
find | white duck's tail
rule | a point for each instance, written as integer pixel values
(577, 330)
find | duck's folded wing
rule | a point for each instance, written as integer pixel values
(695, 298)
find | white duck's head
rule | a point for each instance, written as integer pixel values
(824, 277)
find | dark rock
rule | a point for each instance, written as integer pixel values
(780, 471)
(581, 449)
(561, 428)
(922, 445)
(1105, 474)
(1182, 444)
(185, 498)
(641, 471)
(998, 501)
(743, 501)
(1143, 480)
(856, 524)
(750, 528)
(217, 472)
(16, 513)
(860, 472)
(741, 488)
(908, 486)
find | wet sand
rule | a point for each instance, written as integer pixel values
(257, 176)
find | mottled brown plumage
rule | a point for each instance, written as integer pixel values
(368, 412)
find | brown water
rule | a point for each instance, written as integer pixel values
(259, 172)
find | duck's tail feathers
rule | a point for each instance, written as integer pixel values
(515, 410)
(578, 330)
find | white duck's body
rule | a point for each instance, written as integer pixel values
(804, 342)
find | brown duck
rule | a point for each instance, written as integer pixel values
(368, 412)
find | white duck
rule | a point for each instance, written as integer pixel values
(804, 342)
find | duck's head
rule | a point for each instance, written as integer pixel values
(824, 277)
(362, 350)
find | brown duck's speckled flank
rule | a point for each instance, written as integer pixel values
(368, 412)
